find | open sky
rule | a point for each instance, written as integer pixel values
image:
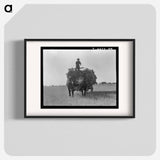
(57, 62)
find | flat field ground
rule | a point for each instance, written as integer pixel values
(102, 95)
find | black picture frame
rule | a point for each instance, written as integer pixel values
(25, 76)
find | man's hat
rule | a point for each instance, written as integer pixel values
(77, 58)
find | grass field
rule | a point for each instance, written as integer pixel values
(102, 95)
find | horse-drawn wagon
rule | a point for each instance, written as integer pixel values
(80, 80)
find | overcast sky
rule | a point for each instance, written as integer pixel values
(57, 62)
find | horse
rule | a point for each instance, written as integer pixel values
(70, 86)
(77, 85)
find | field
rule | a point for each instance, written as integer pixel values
(102, 95)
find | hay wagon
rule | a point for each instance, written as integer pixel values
(80, 80)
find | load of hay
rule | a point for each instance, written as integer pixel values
(88, 76)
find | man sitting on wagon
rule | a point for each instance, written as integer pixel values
(78, 63)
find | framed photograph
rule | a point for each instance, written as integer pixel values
(92, 78)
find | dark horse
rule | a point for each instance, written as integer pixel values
(79, 85)
(70, 86)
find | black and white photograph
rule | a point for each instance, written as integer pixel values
(79, 77)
